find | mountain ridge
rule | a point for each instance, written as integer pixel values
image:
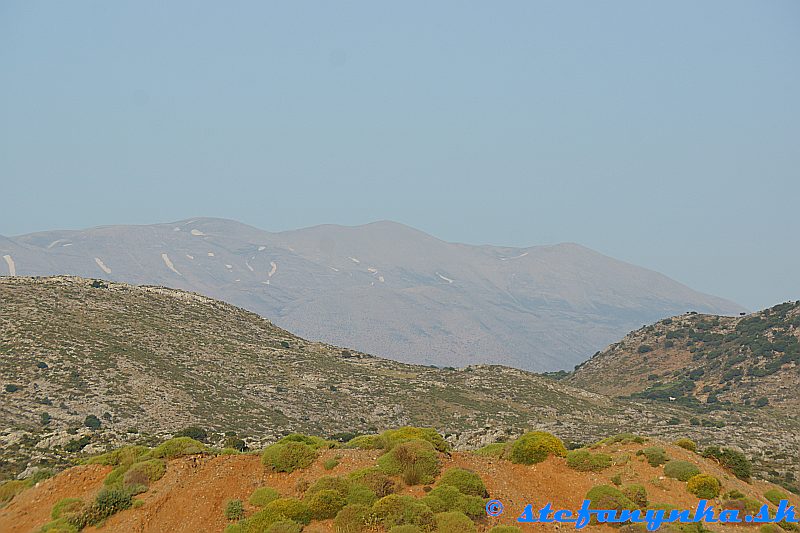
(384, 287)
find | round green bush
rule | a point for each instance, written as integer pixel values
(680, 470)
(285, 509)
(352, 519)
(655, 456)
(466, 481)
(584, 461)
(686, 444)
(395, 510)
(607, 497)
(378, 482)
(234, 510)
(365, 442)
(178, 447)
(452, 522)
(496, 449)
(288, 456)
(773, 496)
(415, 460)
(445, 498)
(145, 472)
(405, 529)
(285, 526)
(65, 506)
(392, 437)
(704, 486)
(124, 455)
(326, 504)
(636, 493)
(535, 447)
(360, 493)
(262, 496)
(338, 484)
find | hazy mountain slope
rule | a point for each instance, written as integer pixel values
(384, 287)
(707, 360)
(156, 360)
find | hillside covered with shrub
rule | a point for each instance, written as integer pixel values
(402, 480)
(90, 364)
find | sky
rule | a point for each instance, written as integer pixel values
(666, 134)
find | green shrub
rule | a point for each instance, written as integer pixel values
(733, 460)
(395, 510)
(360, 493)
(262, 496)
(330, 464)
(607, 497)
(680, 470)
(234, 510)
(285, 526)
(687, 444)
(636, 493)
(326, 504)
(405, 529)
(318, 443)
(352, 519)
(92, 422)
(193, 432)
(289, 456)
(415, 460)
(774, 496)
(108, 502)
(58, 526)
(365, 442)
(655, 456)
(505, 529)
(145, 472)
(452, 522)
(584, 461)
(339, 484)
(177, 447)
(392, 437)
(466, 481)
(703, 486)
(497, 449)
(535, 447)
(623, 438)
(40, 475)
(10, 488)
(446, 498)
(282, 509)
(124, 455)
(375, 480)
(66, 506)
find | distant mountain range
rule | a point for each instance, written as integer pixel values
(384, 287)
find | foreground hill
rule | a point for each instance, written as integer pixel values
(352, 490)
(383, 287)
(710, 361)
(88, 363)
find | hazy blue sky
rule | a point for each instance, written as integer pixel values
(666, 134)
